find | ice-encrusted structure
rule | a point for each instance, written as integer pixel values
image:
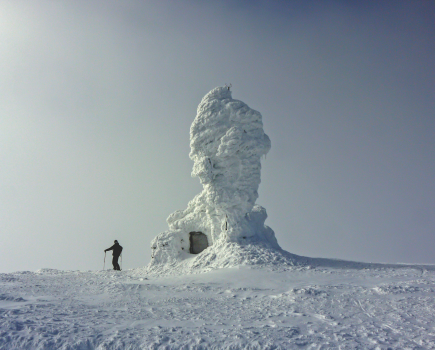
(227, 142)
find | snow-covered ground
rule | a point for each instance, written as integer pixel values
(316, 304)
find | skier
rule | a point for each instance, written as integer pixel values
(117, 250)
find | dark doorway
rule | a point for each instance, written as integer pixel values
(198, 242)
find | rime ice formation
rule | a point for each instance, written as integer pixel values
(227, 142)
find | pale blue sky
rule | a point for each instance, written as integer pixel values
(97, 98)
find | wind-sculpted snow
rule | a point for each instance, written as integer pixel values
(227, 142)
(257, 307)
(227, 255)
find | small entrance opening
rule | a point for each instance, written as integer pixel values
(198, 242)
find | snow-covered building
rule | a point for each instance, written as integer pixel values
(227, 143)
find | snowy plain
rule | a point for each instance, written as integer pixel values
(305, 304)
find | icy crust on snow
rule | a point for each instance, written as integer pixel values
(227, 142)
(240, 308)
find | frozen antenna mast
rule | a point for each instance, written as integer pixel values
(228, 86)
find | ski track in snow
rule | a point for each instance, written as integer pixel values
(249, 307)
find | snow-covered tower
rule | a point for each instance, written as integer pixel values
(227, 142)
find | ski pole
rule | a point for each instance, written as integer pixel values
(104, 261)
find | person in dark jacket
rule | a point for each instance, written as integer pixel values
(117, 250)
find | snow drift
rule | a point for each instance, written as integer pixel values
(227, 142)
